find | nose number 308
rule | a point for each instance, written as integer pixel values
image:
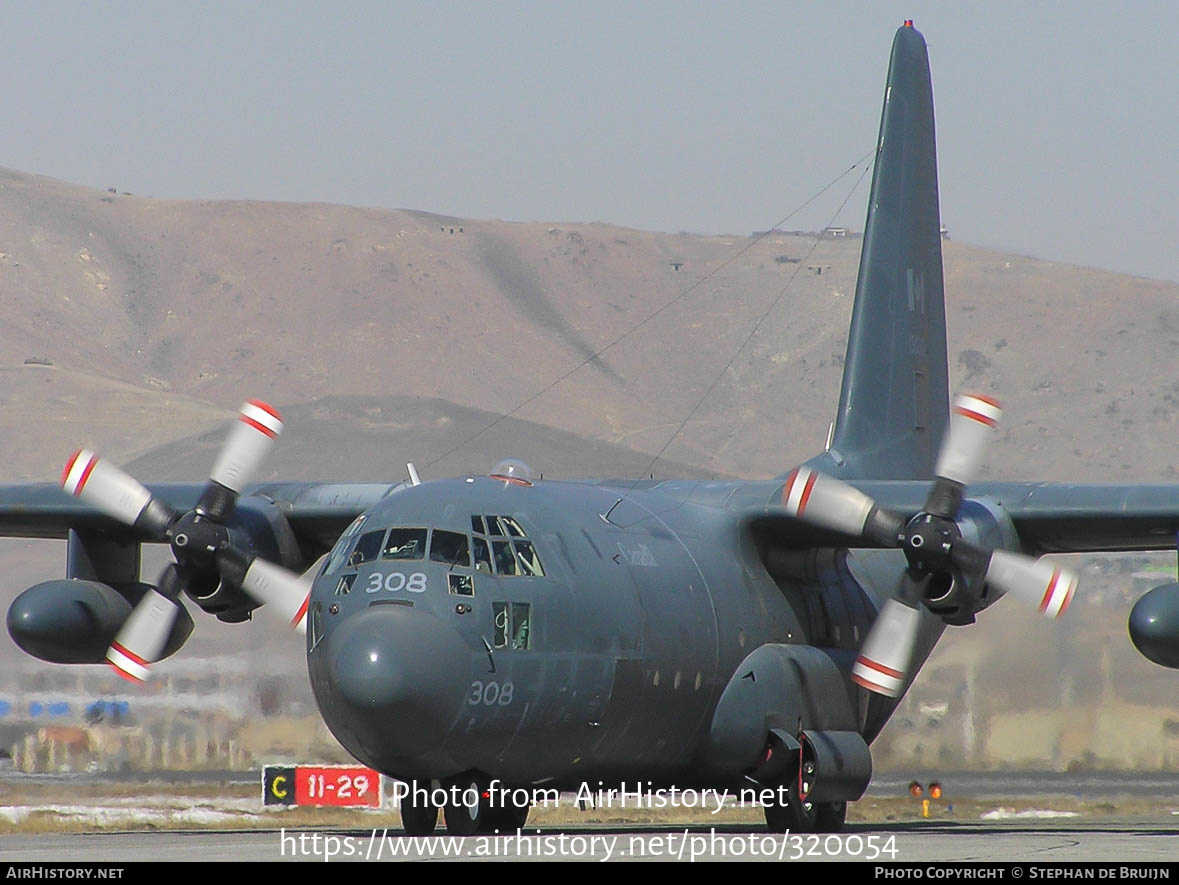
(396, 581)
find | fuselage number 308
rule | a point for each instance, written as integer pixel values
(395, 582)
(490, 694)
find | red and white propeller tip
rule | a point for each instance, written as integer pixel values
(815, 497)
(972, 420)
(250, 440)
(1038, 583)
(142, 637)
(104, 486)
(884, 658)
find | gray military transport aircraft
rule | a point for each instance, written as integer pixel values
(544, 634)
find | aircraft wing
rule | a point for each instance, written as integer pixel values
(1080, 517)
(1048, 517)
(1054, 517)
(316, 512)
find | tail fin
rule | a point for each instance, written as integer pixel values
(894, 403)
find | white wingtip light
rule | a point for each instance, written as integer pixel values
(142, 637)
(258, 426)
(1037, 582)
(104, 486)
(824, 501)
(884, 658)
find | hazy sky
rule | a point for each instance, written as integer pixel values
(1058, 123)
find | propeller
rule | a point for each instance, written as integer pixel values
(938, 556)
(199, 538)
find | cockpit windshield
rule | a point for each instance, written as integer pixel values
(336, 559)
(367, 547)
(451, 548)
(497, 545)
(405, 544)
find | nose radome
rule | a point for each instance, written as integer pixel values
(401, 676)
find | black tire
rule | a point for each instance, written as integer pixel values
(778, 818)
(470, 814)
(791, 815)
(507, 819)
(417, 820)
(798, 816)
(830, 817)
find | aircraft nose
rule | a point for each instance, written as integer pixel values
(400, 676)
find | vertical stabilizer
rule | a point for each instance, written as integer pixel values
(894, 403)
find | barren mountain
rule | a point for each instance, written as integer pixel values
(193, 306)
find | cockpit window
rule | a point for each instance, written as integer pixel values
(405, 544)
(512, 526)
(517, 557)
(366, 548)
(341, 549)
(521, 626)
(482, 556)
(529, 561)
(505, 559)
(512, 622)
(450, 548)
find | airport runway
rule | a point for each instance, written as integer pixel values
(1129, 841)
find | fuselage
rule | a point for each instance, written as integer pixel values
(563, 632)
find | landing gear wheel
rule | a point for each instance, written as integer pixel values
(792, 814)
(805, 817)
(830, 817)
(467, 809)
(418, 819)
(798, 816)
(507, 819)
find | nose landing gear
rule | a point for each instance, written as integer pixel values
(795, 815)
(475, 809)
(419, 816)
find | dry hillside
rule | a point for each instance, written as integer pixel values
(194, 305)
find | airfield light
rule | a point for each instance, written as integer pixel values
(915, 789)
(935, 790)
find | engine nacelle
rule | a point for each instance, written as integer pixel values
(953, 599)
(956, 600)
(72, 621)
(1154, 625)
(257, 526)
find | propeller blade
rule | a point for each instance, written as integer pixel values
(114, 492)
(1044, 585)
(817, 498)
(884, 658)
(277, 587)
(145, 632)
(971, 421)
(281, 591)
(247, 445)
